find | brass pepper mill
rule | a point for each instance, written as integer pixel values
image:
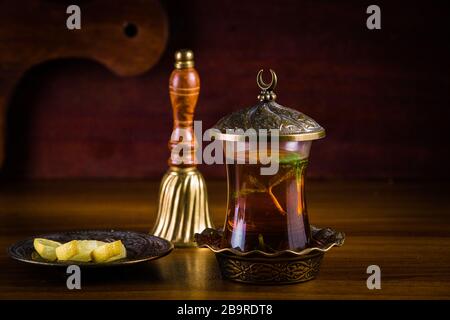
(183, 199)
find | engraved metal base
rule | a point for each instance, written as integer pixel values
(270, 270)
(183, 207)
(280, 267)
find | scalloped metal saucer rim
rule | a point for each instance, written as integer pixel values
(338, 241)
(272, 255)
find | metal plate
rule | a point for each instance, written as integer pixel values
(140, 247)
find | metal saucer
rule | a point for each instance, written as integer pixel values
(279, 267)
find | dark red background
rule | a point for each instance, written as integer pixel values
(382, 95)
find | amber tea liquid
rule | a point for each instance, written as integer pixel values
(267, 212)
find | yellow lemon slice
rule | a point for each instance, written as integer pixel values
(108, 251)
(67, 250)
(46, 248)
(121, 255)
(85, 248)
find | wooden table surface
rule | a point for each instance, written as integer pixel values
(402, 227)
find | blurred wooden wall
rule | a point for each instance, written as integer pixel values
(382, 95)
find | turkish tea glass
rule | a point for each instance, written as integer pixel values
(267, 212)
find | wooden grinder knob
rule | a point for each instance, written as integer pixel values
(184, 88)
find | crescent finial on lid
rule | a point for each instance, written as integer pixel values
(267, 93)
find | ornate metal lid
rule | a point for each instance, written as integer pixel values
(267, 114)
